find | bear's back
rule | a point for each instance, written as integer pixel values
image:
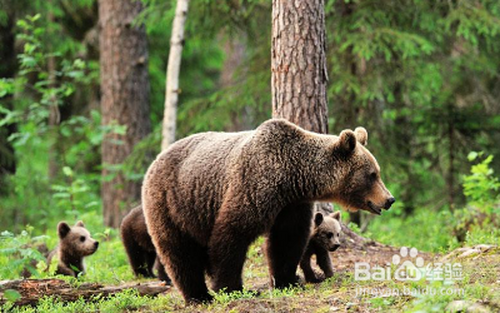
(193, 174)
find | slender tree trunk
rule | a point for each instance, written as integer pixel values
(125, 99)
(451, 158)
(232, 72)
(54, 113)
(173, 68)
(298, 63)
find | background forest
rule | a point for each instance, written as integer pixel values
(423, 77)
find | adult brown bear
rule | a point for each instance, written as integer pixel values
(210, 195)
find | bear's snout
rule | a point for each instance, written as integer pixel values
(389, 203)
(96, 245)
(334, 247)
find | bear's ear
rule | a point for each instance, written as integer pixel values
(347, 141)
(63, 229)
(336, 215)
(318, 219)
(361, 135)
(80, 224)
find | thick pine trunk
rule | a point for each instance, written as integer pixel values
(125, 99)
(298, 63)
(173, 70)
(299, 78)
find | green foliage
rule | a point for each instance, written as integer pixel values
(51, 86)
(478, 221)
(481, 187)
(19, 252)
(427, 230)
(72, 195)
(223, 298)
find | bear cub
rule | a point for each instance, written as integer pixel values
(75, 244)
(139, 247)
(325, 238)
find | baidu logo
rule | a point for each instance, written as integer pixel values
(408, 270)
(408, 266)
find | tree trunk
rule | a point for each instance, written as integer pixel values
(54, 113)
(7, 70)
(233, 72)
(298, 63)
(173, 68)
(125, 99)
(450, 180)
(299, 77)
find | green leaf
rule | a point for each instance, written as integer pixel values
(472, 156)
(11, 295)
(67, 171)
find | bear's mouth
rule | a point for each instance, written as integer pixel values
(372, 208)
(335, 247)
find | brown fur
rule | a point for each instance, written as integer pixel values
(210, 195)
(75, 244)
(139, 247)
(325, 238)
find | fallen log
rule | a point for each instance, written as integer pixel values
(30, 291)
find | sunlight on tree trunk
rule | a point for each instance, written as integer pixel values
(173, 68)
(125, 100)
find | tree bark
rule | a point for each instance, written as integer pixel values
(173, 68)
(298, 63)
(299, 77)
(125, 99)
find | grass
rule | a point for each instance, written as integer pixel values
(340, 293)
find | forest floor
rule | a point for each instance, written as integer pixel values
(478, 290)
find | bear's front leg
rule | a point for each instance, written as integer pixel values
(324, 262)
(286, 243)
(305, 265)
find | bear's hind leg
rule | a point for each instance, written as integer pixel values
(162, 275)
(227, 250)
(286, 243)
(137, 256)
(185, 261)
(150, 261)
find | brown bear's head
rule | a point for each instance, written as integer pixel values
(76, 240)
(327, 231)
(359, 186)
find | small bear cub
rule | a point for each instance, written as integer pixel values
(325, 238)
(139, 247)
(75, 244)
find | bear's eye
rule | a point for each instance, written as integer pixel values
(82, 238)
(329, 235)
(338, 234)
(373, 175)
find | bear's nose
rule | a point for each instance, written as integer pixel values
(96, 244)
(389, 202)
(335, 247)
